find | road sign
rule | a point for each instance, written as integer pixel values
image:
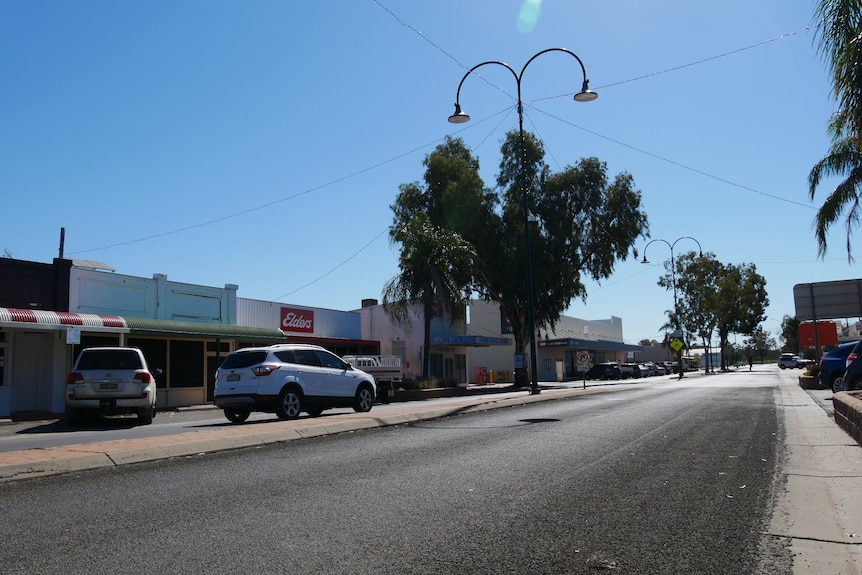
(583, 360)
(676, 344)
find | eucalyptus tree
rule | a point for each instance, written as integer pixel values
(742, 302)
(582, 223)
(761, 342)
(718, 298)
(696, 278)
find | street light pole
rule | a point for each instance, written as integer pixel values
(459, 117)
(676, 319)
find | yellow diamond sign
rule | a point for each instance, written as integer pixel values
(676, 344)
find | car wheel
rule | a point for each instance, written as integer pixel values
(838, 384)
(236, 415)
(289, 404)
(146, 415)
(364, 399)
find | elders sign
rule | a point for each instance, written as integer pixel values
(297, 320)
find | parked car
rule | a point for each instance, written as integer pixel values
(643, 370)
(111, 381)
(653, 369)
(287, 379)
(788, 360)
(607, 370)
(833, 365)
(630, 370)
(803, 363)
(668, 367)
(853, 368)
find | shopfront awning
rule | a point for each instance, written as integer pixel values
(470, 341)
(40, 319)
(600, 344)
(165, 327)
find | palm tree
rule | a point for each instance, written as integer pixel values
(839, 32)
(843, 160)
(433, 264)
(790, 332)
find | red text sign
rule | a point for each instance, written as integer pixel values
(300, 320)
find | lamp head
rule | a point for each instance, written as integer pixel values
(459, 117)
(644, 261)
(586, 95)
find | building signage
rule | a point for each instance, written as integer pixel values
(297, 320)
(554, 343)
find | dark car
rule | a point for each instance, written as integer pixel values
(607, 370)
(833, 365)
(853, 368)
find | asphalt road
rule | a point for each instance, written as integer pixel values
(676, 477)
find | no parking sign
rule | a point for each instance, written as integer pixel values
(583, 360)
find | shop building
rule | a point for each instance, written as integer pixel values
(50, 311)
(557, 349)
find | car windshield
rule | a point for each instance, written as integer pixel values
(102, 359)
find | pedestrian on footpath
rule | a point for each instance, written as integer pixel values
(750, 362)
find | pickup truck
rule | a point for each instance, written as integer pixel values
(386, 369)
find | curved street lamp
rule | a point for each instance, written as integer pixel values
(459, 117)
(678, 327)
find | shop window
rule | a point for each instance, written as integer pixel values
(187, 363)
(222, 347)
(156, 352)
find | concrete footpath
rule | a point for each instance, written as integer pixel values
(817, 509)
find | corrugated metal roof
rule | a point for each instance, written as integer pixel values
(91, 265)
(148, 326)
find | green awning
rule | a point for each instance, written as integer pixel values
(146, 326)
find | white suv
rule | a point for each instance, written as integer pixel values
(287, 379)
(111, 381)
(788, 360)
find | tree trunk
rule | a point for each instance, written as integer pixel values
(428, 313)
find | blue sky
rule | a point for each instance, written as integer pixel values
(261, 143)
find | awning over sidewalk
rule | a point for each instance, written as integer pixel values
(40, 319)
(146, 326)
(579, 343)
(470, 341)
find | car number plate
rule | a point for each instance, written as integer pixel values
(233, 377)
(108, 386)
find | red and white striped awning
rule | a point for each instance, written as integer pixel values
(34, 318)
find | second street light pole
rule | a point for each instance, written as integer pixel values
(459, 117)
(676, 318)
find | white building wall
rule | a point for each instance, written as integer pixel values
(485, 321)
(100, 292)
(327, 322)
(92, 291)
(407, 342)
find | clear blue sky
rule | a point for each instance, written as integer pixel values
(261, 143)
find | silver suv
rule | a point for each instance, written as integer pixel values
(287, 379)
(111, 381)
